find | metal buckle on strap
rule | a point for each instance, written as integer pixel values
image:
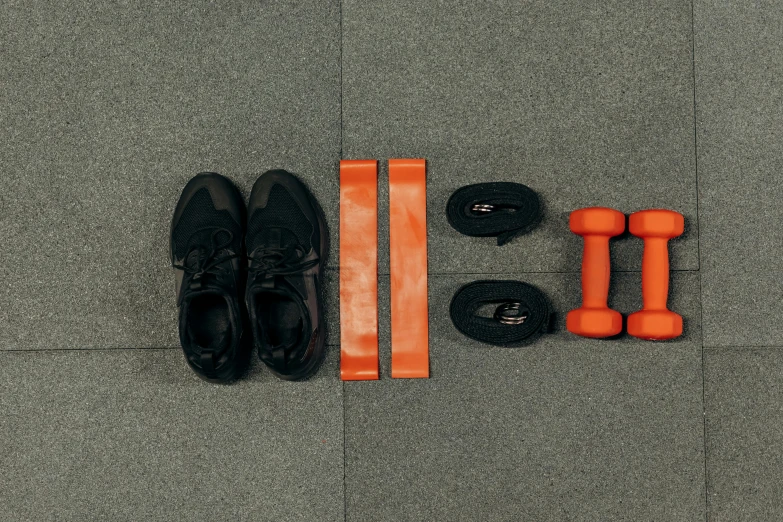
(511, 313)
(482, 207)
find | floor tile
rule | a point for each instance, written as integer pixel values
(134, 435)
(742, 307)
(743, 397)
(740, 119)
(588, 105)
(566, 429)
(107, 111)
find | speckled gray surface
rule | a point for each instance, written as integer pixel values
(134, 435)
(740, 123)
(107, 110)
(587, 104)
(567, 429)
(743, 397)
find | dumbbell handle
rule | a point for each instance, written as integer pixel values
(655, 273)
(595, 272)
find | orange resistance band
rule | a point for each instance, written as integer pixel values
(358, 270)
(408, 256)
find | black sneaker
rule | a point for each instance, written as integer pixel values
(207, 251)
(287, 240)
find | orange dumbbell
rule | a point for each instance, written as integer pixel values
(595, 319)
(655, 321)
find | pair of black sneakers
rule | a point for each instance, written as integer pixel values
(249, 277)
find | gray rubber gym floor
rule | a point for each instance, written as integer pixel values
(107, 109)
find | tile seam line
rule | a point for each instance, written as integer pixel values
(743, 347)
(120, 349)
(340, 29)
(345, 468)
(342, 387)
(698, 256)
(175, 348)
(331, 345)
(572, 272)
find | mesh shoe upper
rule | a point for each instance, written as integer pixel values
(197, 222)
(281, 212)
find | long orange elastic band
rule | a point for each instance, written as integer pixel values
(358, 270)
(408, 257)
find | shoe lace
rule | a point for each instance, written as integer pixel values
(202, 265)
(280, 261)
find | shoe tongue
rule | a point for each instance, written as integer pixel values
(201, 243)
(284, 243)
(276, 237)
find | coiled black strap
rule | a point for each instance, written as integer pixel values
(498, 209)
(521, 316)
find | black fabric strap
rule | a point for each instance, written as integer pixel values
(503, 210)
(521, 315)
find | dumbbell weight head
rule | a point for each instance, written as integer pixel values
(594, 322)
(597, 221)
(655, 325)
(656, 223)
